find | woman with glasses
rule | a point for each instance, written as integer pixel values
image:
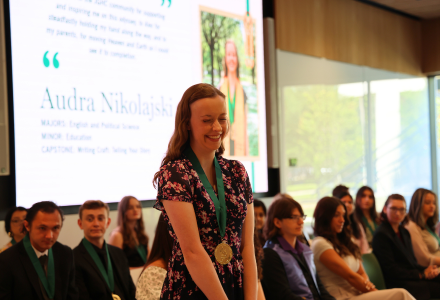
(288, 268)
(393, 249)
(423, 216)
(338, 258)
(14, 226)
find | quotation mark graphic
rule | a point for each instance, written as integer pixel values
(55, 61)
(169, 3)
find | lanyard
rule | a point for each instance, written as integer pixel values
(142, 252)
(108, 275)
(433, 234)
(231, 106)
(368, 225)
(219, 203)
(49, 281)
(13, 242)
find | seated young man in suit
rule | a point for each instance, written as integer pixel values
(39, 267)
(102, 270)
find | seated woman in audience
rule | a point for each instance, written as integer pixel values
(130, 234)
(423, 216)
(338, 259)
(149, 285)
(260, 219)
(365, 212)
(288, 268)
(14, 226)
(393, 249)
(359, 237)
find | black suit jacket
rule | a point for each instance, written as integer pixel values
(91, 283)
(19, 280)
(397, 260)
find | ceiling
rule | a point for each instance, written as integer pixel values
(424, 9)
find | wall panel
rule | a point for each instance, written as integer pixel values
(431, 46)
(349, 31)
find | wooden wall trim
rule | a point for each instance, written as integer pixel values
(349, 31)
(431, 46)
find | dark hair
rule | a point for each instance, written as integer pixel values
(48, 207)
(383, 216)
(324, 212)
(259, 203)
(358, 210)
(93, 204)
(338, 190)
(180, 138)
(281, 208)
(416, 207)
(8, 217)
(125, 230)
(354, 223)
(162, 244)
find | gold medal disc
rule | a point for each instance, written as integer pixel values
(116, 297)
(223, 253)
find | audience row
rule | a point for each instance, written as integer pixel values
(405, 245)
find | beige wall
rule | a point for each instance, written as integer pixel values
(349, 31)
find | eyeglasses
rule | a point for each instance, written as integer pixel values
(400, 210)
(296, 217)
(17, 222)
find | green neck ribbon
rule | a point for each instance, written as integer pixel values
(433, 234)
(13, 242)
(142, 252)
(219, 203)
(108, 275)
(49, 281)
(369, 225)
(231, 106)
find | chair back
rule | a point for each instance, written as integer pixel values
(373, 270)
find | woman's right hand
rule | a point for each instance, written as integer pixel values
(431, 272)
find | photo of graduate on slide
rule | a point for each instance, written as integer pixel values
(228, 49)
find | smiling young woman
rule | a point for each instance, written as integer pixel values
(338, 258)
(208, 204)
(423, 216)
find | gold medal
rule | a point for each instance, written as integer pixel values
(116, 297)
(223, 253)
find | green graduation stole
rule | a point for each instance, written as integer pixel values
(13, 242)
(433, 234)
(231, 106)
(49, 281)
(142, 252)
(219, 203)
(368, 225)
(108, 275)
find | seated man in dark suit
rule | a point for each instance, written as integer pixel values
(39, 267)
(102, 270)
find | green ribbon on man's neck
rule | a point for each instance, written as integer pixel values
(13, 242)
(220, 202)
(48, 281)
(108, 275)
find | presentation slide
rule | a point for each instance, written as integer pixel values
(96, 84)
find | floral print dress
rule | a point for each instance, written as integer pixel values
(178, 181)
